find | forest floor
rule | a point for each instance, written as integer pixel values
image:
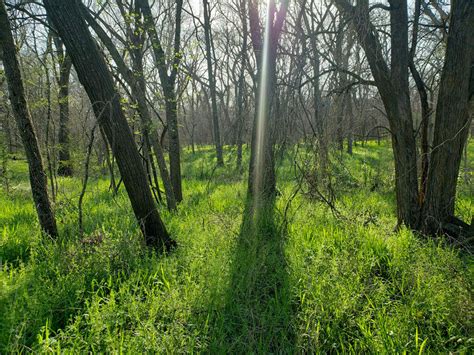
(310, 280)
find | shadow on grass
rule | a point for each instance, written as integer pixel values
(257, 315)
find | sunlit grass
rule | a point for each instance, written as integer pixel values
(303, 281)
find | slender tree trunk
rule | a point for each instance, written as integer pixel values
(342, 83)
(262, 179)
(139, 93)
(212, 82)
(98, 83)
(350, 116)
(110, 163)
(318, 123)
(240, 89)
(38, 179)
(168, 82)
(240, 120)
(425, 106)
(174, 145)
(137, 83)
(49, 118)
(65, 164)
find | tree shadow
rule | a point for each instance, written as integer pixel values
(257, 314)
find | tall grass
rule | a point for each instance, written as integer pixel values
(299, 280)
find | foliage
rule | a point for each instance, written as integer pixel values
(301, 280)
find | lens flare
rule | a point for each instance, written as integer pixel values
(263, 109)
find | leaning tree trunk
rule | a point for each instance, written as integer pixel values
(453, 118)
(139, 93)
(168, 82)
(38, 179)
(92, 71)
(136, 80)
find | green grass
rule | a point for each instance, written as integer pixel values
(298, 279)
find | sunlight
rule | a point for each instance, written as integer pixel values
(262, 109)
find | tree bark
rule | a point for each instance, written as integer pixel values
(453, 118)
(98, 83)
(38, 179)
(64, 163)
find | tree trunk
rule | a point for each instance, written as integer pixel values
(350, 116)
(174, 145)
(38, 179)
(98, 83)
(137, 83)
(168, 84)
(240, 88)
(262, 179)
(453, 118)
(393, 87)
(64, 164)
(212, 82)
(425, 106)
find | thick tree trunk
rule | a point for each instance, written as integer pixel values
(212, 82)
(38, 179)
(98, 83)
(406, 177)
(453, 118)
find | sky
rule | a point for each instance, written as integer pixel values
(195, 4)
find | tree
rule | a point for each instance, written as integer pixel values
(240, 91)
(393, 86)
(168, 82)
(212, 81)
(92, 71)
(64, 163)
(454, 113)
(262, 180)
(136, 80)
(38, 179)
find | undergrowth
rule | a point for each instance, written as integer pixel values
(300, 279)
